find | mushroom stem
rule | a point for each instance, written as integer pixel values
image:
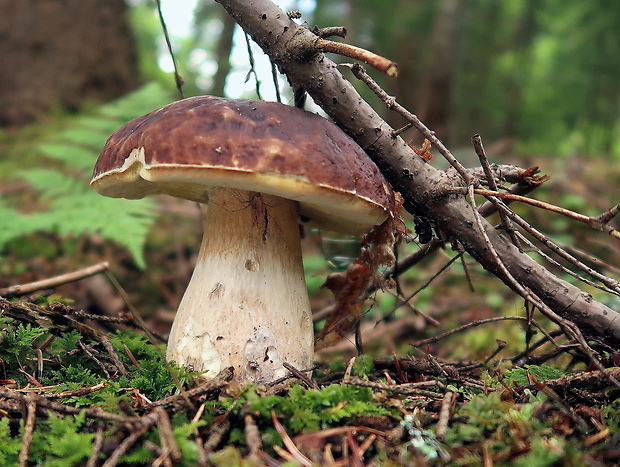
(246, 305)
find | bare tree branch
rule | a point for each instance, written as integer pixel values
(424, 188)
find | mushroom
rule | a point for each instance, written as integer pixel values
(260, 166)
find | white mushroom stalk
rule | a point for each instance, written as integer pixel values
(246, 305)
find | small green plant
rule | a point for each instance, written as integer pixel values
(540, 372)
(307, 410)
(61, 441)
(505, 429)
(67, 206)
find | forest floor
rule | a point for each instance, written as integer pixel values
(72, 395)
(82, 384)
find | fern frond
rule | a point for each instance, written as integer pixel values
(71, 207)
(51, 184)
(69, 154)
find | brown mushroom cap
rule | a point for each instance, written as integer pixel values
(192, 145)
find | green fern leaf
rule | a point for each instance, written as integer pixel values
(71, 207)
(71, 155)
(52, 184)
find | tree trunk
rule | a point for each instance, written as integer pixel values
(424, 188)
(435, 89)
(222, 52)
(59, 53)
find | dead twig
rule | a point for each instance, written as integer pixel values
(484, 162)
(612, 284)
(301, 375)
(180, 401)
(331, 31)
(599, 222)
(472, 324)
(31, 410)
(293, 450)
(252, 435)
(57, 323)
(117, 361)
(549, 259)
(50, 283)
(444, 414)
(67, 394)
(177, 77)
(390, 103)
(145, 423)
(46, 405)
(88, 351)
(596, 379)
(97, 445)
(376, 61)
(405, 388)
(166, 436)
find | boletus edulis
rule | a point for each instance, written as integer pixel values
(262, 168)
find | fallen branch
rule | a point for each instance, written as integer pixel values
(424, 188)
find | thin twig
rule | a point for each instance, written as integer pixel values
(301, 375)
(178, 80)
(31, 410)
(444, 414)
(96, 448)
(331, 31)
(405, 388)
(46, 405)
(216, 434)
(355, 459)
(50, 283)
(166, 435)
(382, 64)
(55, 322)
(117, 361)
(252, 435)
(88, 351)
(484, 162)
(76, 392)
(288, 442)
(569, 328)
(607, 281)
(252, 70)
(593, 221)
(516, 359)
(472, 324)
(276, 84)
(390, 103)
(146, 423)
(548, 258)
(428, 282)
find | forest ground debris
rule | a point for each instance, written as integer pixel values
(452, 412)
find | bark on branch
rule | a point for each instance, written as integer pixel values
(424, 188)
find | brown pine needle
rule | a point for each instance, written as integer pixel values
(293, 450)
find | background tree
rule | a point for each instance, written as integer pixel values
(61, 53)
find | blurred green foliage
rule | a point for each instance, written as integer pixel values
(59, 173)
